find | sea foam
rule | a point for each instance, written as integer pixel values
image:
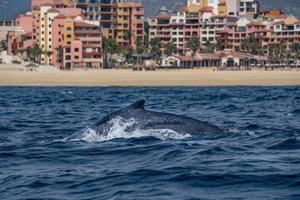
(122, 128)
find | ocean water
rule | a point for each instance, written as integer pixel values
(257, 158)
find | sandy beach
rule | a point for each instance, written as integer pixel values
(183, 77)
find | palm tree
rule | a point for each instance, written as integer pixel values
(194, 44)
(219, 45)
(36, 53)
(3, 45)
(48, 54)
(279, 51)
(260, 53)
(110, 47)
(60, 55)
(296, 52)
(127, 52)
(249, 45)
(156, 48)
(128, 36)
(170, 49)
(271, 53)
(209, 47)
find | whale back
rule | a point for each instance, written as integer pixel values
(145, 119)
(140, 104)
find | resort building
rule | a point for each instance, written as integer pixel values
(232, 7)
(78, 43)
(196, 5)
(122, 20)
(44, 35)
(248, 7)
(9, 26)
(25, 22)
(284, 32)
(238, 7)
(160, 26)
(20, 37)
(225, 59)
(130, 24)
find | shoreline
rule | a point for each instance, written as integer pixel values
(176, 77)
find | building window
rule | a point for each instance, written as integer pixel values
(76, 49)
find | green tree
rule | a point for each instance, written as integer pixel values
(3, 45)
(146, 34)
(127, 52)
(156, 48)
(60, 55)
(260, 53)
(296, 52)
(140, 48)
(128, 36)
(194, 44)
(209, 47)
(219, 45)
(249, 45)
(170, 49)
(36, 53)
(110, 47)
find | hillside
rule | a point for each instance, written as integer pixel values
(11, 8)
(288, 6)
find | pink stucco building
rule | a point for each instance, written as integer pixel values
(85, 50)
(80, 41)
(25, 22)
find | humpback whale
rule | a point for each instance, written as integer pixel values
(150, 120)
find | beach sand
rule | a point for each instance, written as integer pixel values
(183, 77)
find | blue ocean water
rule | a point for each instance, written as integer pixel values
(259, 157)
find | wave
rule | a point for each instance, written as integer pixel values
(287, 144)
(122, 128)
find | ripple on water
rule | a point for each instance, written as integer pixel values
(257, 158)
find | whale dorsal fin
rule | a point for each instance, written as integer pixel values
(140, 104)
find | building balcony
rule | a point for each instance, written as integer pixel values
(92, 53)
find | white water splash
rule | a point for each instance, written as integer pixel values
(241, 132)
(119, 129)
